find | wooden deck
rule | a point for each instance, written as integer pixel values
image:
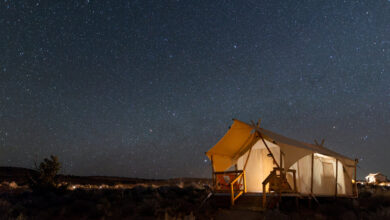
(301, 195)
(253, 201)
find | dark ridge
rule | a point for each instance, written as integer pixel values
(20, 176)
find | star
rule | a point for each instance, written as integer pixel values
(114, 81)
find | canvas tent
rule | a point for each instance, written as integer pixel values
(315, 170)
(375, 178)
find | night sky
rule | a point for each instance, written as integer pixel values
(144, 88)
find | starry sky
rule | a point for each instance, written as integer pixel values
(145, 88)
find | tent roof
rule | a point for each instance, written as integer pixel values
(241, 137)
(289, 141)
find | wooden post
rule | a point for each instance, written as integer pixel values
(355, 186)
(312, 171)
(295, 181)
(264, 197)
(232, 194)
(244, 181)
(213, 172)
(281, 158)
(243, 169)
(337, 172)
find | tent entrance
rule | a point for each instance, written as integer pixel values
(260, 164)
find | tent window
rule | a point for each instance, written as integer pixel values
(328, 169)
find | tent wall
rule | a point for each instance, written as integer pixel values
(324, 176)
(303, 169)
(348, 184)
(260, 164)
(293, 154)
(258, 167)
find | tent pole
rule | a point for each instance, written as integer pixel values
(337, 172)
(246, 161)
(312, 170)
(243, 169)
(269, 151)
(265, 144)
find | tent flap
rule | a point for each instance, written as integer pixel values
(238, 137)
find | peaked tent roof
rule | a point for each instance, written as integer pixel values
(242, 136)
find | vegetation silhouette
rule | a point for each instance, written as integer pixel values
(46, 178)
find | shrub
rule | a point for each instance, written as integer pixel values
(46, 178)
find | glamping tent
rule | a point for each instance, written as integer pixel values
(376, 178)
(250, 159)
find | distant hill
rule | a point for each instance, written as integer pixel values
(17, 174)
(20, 176)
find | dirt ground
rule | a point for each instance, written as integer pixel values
(172, 201)
(111, 198)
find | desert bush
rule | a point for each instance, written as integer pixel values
(46, 178)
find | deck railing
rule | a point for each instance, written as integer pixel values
(233, 182)
(278, 183)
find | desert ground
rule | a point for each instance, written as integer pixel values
(182, 198)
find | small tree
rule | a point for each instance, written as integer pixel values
(46, 177)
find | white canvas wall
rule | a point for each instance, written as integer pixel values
(303, 174)
(259, 165)
(324, 176)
